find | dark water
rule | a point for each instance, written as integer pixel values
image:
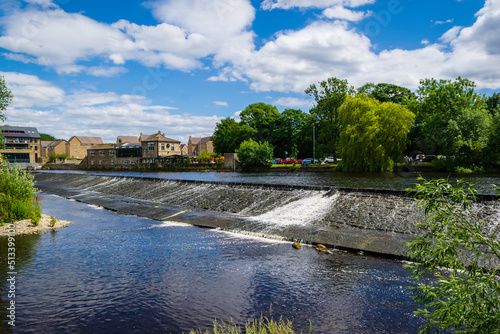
(110, 273)
(397, 181)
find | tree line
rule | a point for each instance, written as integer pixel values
(376, 126)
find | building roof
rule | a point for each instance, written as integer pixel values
(196, 140)
(127, 139)
(103, 146)
(88, 140)
(46, 144)
(157, 137)
(20, 131)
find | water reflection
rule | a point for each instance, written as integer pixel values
(110, 273)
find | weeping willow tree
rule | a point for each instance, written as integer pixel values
(373, 134)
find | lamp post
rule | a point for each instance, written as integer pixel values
(314, 143)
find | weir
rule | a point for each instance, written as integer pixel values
(369, 220)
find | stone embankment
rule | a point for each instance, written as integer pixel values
(370, 220)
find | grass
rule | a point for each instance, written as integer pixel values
(263, 325)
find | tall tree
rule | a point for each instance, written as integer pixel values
(385, 92)
(493, 103)
(5, 98)
(329, 96)
(263, 118)
(373, 134)
(289, 134)
(229, 134)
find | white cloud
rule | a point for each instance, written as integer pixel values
(342, 13)
(293, 102)
(221, 103)
(52, 110)
(288, 4)
(443, 22)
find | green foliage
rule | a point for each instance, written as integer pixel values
(53, 156)
(255, 156)
(52, 220)
(329, 97)
(462, 254)
(17, 195)
(229, 134)
(385, 92)
(263, 325)
(373, 134)
(263, 118)
(204, 157)
(47, 137)
(188, 159)
(493, 103)
(5, 98)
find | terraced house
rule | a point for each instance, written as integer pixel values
(77, 146)
(22, 144)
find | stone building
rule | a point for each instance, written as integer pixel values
(198, 145)
(157, 146)
(77, 146)
(53, 147)
(22, 144)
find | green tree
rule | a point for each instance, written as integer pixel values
(329, 96)
(290, 133)
(493, 103)
(373, 134)
(47, 137)
(263, 118)
(5, 99)
(385, 92)
(229, 134)
(439, 102)
(255, 156)
(463, 256)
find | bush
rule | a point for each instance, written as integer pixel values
(462, 255)
(255, 156)
(18, 195)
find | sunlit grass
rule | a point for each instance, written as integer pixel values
(263, 325)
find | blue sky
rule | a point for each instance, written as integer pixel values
(109, 68)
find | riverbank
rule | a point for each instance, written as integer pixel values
(25, 226)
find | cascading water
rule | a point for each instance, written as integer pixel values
(373, 219)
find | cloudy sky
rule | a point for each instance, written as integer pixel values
(109, 68)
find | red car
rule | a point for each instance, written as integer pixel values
(290, 161)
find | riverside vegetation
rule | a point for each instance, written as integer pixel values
(463, 256)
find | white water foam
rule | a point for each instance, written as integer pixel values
(300, 212)
(171, 224)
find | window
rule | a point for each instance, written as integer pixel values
(111, 152)
(92, 162)
(92, 153)
(112, 163)
(100, 162)
(132, 162)
(125, 162)
(173, 147)
(83, 151)
(36, 148)
(75, 152)
(36, 140)
(74, 145)
(151, 147)
(101, 152)
(163, 147)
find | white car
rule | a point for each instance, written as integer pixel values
(328, 160)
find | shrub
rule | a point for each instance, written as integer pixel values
(18, 195)
(255, 156)
(463, 255)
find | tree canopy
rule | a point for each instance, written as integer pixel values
(5, 98)
(329, 97)
(385, 92)
(373, 134)
(254, 156)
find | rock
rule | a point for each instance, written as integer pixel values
(296, 245)
(320, 247)
(327, 251)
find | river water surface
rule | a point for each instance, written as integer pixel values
(110, 273)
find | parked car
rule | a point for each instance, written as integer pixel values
(278, 161)
(289, 161)
(309, 161)
(329, 160)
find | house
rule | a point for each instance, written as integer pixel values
(112, 155)
(53, 147)
(22, 144)
(122, 140)
(197, 145)
(184, 149)
(77, 146)
(157, 146)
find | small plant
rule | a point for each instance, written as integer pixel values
(263, 325)
(52, 220)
